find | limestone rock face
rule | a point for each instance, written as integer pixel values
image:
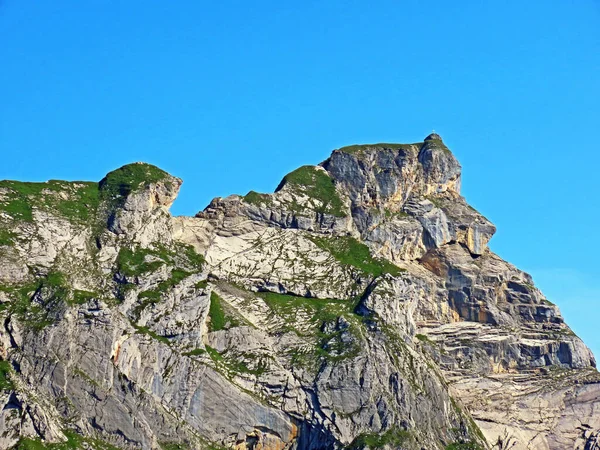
(138, 207)
(358, 306)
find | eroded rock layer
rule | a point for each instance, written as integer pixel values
(358, 306)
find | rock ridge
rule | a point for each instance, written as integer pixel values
(358, 306)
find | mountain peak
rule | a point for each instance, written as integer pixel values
(274, 320)
(433, 137)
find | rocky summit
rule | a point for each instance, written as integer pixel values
(356, 307)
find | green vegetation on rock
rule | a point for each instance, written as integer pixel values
(289, 306)
(220, 318)
(76, 201)
(474, 429)
(359, 148)
(6, 237)
(154, 295)
(255, 198)
(131, 178)
(74, 442)
(193, 260)
(195, 352)
(50, 292)
(138, 261)
(202, 284)
(216, 313)
(393, 438)
(5, 383)
(173, 446)
(231, 364)
(347, 250)
(317, 185)
(56, 287)
(148, 332)
(317, 320)
(32, 314)
(80, 297)
(437, 143)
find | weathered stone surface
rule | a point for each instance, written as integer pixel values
(358, 306)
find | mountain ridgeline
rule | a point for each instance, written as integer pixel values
(356, 307)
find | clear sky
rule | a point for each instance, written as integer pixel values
(230, 96)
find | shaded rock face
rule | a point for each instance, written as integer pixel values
(356, 307)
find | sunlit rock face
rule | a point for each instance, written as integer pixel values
(358, 306)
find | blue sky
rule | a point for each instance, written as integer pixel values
(230, 96)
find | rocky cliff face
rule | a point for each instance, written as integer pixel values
(358, 306)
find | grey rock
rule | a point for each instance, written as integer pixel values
(293, 320)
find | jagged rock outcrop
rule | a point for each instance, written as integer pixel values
(358, 306)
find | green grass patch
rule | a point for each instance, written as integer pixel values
(76, 200)
(349, 251)
(255, 198)
(173, 446)
(216, 313)
(393, 438)
(192, 260)
(57, 287)
(177, 276)
(6, 237)
(55, 279)
(288, 306)
(202, 284)
(437, 143)
(316, 184)
(74, 442)
(240, 367)
(82, 205)
(307, 318)
(33, 315)
(195, 352)
(221, 315)
(360, 148)
(138, 261)
(134, 262)
(131, 178)
(53, 291)
(80, 297)
(19, 209)
(233, 364)
(152, 296)
(147, 331)
(214, 354)
(5, 382)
